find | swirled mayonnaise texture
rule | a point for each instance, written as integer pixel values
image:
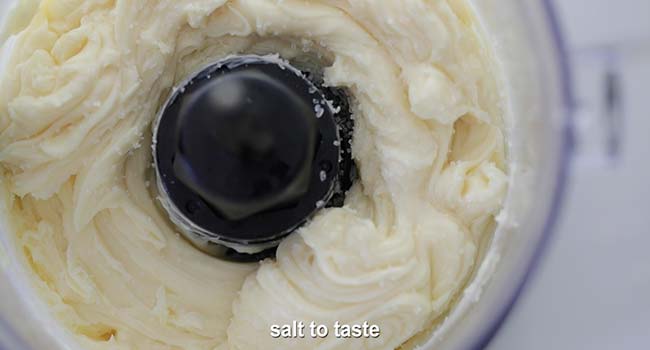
(83, 83)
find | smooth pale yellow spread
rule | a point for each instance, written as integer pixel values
(82, 85)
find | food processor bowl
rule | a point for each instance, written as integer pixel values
(527, 45)
(527, 41)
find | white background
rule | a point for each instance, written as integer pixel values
(592, 288)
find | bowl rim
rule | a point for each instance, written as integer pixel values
(567, 101)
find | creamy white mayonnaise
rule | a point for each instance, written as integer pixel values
(82, 84)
